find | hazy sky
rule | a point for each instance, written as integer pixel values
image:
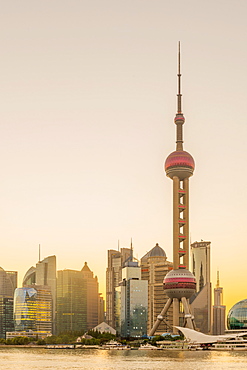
(87, 102)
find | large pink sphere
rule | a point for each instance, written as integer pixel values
(179, 283)
(179, 163)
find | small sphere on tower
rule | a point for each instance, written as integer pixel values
(179, 119)
(179, 283)
(179, 163)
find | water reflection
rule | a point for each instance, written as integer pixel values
(37, 359)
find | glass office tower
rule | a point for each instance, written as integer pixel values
(8, 284)
(33, 309)
(77, 300)
(71, 301)
(44, 274)
(131, 302)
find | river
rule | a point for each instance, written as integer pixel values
(93, 359)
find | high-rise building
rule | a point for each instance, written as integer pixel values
(71, 301)
(131, 302)
(201, 301)
(44, 274)
(179, 284)
(92, 296)
(219, 310)
(8, 284)
(6, 316)
(101, 309)
(77, 300)
(116, 260)
(33, 310)
(154, 267)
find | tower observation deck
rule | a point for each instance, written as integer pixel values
(180, 283)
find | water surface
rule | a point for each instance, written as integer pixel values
(93, 359)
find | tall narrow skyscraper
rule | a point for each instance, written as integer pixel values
(131, 302)
(44, 274)
(116, 261)
(8, 284)
(200, 302)
(180, 283)
(219, 310)
(77, 300)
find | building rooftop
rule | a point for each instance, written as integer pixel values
(85, 267)
(156, 251)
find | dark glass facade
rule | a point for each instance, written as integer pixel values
(77, 300)
(71, 301)
(237, 316)
(6, 316)
(8, 284)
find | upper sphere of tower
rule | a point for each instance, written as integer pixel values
(179, 119)
(179, 163)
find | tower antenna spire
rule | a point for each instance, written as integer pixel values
(131, 247)
(179, 118)
(179, 107)
(218, 279)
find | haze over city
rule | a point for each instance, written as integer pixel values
(88, 99)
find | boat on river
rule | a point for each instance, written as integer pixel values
(147, 346)
(178, 345)
(114, 345)
(230, 345)
(60, 346)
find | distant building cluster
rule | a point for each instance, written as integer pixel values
(50, 301)
(53, 302)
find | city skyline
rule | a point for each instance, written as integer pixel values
(86, 120)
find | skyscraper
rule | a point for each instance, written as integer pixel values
(131, 302)
(44, 274)
(33, 310)
(71, 301)
(201, 301)
(179, 284)
(77, 300)
(116, 260)
(219, 310)
(92, 296)
(154, 267)
(8, 284)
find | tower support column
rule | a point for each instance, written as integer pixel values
(175, 314)
(186, 225)
(188, 316)
(160, 317)
(175, 222)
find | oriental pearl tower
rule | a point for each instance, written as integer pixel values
(179, 284)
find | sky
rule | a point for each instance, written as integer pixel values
(87, 103)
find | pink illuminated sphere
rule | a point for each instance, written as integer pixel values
(179, 163)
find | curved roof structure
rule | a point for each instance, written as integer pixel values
(193, 336)
(29, 276)
(156, 251)
(237, 316)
